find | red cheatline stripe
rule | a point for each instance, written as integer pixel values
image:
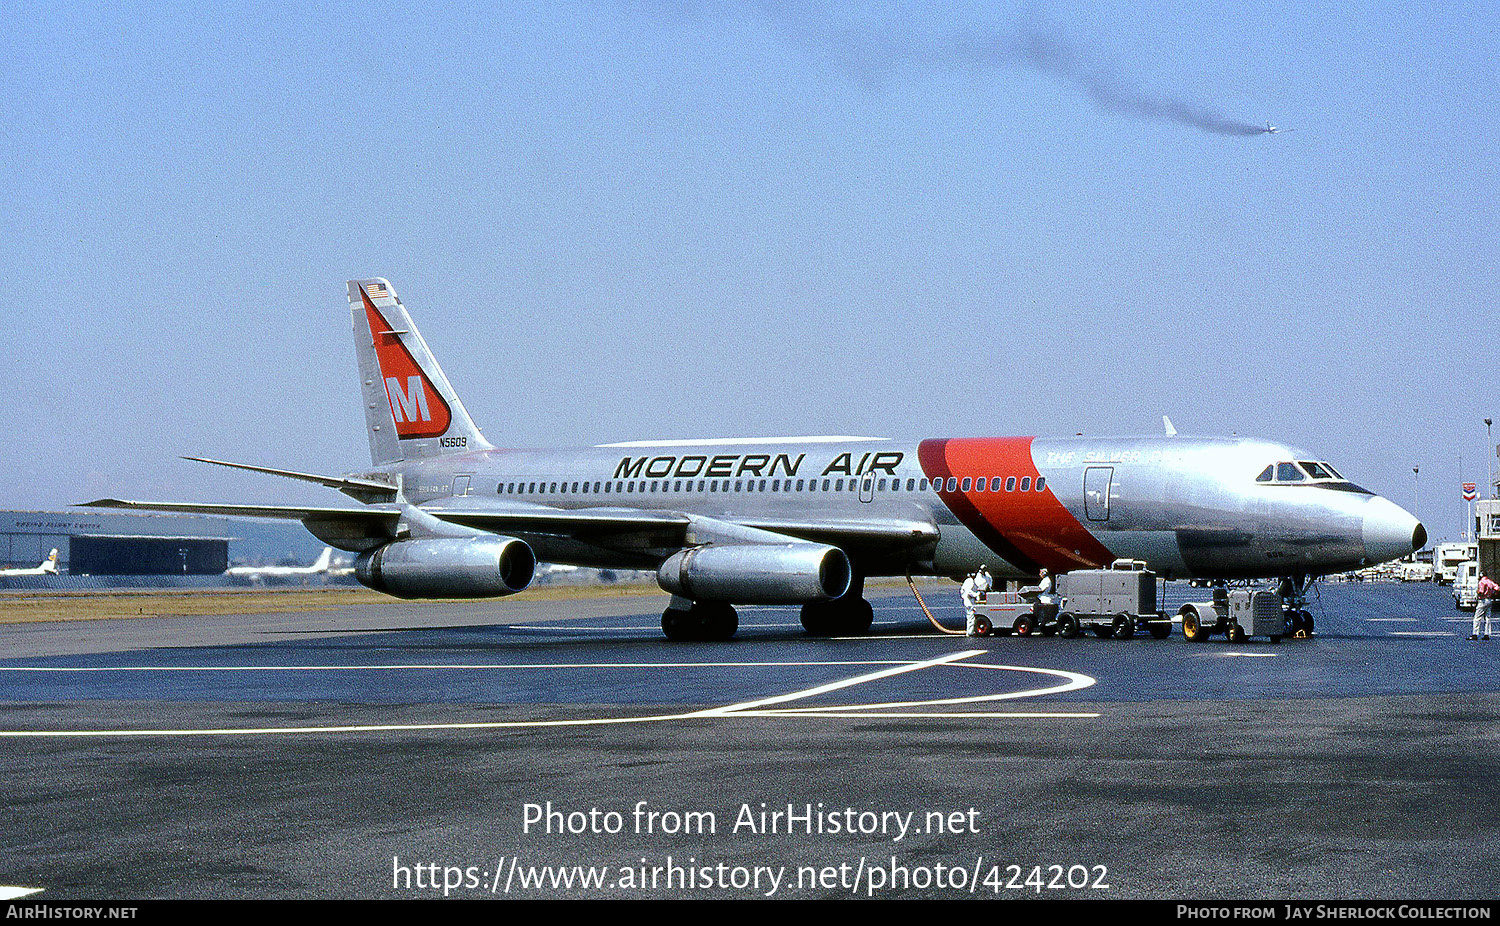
(1029, 529)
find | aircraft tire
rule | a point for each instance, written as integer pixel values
(674, 623)
(705, 621)
(817, 620)
(718, 622)
(838, 618)
(861, 616)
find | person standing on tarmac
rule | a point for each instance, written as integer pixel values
(1488, 591)
(971, 598)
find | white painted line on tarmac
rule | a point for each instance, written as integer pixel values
(1377, 620)
(953, 715)
(1420, 633)
(12, 893)
(747, 709)
(1246, 655)
(1073, 681)
(351, 728)
(465, 666)
(835, 686)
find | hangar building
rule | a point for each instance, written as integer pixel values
(156, 549)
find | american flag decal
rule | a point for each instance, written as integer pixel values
(377, 291)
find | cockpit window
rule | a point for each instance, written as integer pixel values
(1288, 472)
(1323, 476)
(1318, 470)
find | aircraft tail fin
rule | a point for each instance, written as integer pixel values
(411, 410)
(324, 560)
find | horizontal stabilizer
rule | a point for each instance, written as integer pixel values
(360, 488)
(289, 512)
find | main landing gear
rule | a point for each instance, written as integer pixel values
(699, 620)
(847, 616)
(850, 615)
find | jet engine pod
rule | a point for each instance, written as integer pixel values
(480, 567)
(772, 573)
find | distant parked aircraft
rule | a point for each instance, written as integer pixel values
(47, 568)
(321, 566)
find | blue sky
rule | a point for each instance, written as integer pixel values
(622, 220)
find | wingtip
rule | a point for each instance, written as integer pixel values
(104, 503)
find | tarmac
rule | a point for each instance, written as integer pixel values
(545, 749)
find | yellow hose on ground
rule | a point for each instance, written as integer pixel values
(957, 633)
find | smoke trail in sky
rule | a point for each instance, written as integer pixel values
(875, 59)
(1053, 56)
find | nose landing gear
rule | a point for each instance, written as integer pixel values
(1293, 592)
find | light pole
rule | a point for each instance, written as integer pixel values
(1414, 470)
(1489, 458)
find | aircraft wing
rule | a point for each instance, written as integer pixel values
(645, 530)
(684, 529)
(289, 512)
(560, 521)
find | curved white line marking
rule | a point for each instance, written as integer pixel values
(756, 708)
(1074, 682)
(835, 686)
(886, 715)
(465, 666)
(12, 893)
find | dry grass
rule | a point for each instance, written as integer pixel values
(22, 607)
(35, 606)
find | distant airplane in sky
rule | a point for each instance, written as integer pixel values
(1272, 130)
(47, 568)
(803, 520)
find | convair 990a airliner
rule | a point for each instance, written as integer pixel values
(444, 514)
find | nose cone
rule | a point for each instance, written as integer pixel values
(1390, 531)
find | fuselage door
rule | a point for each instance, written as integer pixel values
(867, 487)
(1096, 484)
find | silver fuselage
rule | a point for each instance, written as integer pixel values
(1189, 507)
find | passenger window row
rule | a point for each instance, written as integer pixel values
(884, 484)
